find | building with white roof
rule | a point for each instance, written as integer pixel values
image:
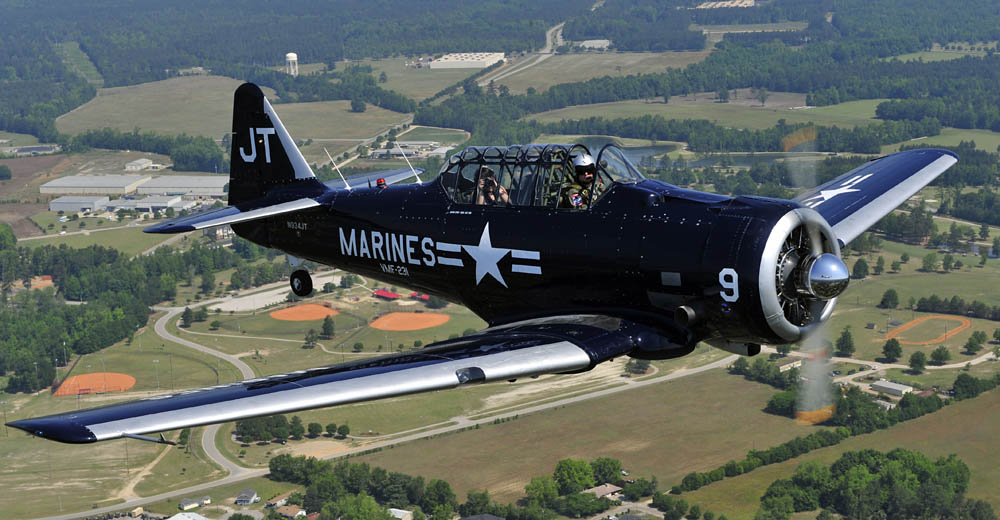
(106, 184)
(467, 60)
(888, 387)
(138, 165)
(70, 204)
(196, 185)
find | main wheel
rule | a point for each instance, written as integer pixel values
(301, 283)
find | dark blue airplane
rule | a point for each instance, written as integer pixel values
(571, 260)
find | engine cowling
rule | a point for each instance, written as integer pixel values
(800, 275)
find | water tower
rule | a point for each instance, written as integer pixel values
(292, 63)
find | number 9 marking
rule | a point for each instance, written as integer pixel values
(729, 279)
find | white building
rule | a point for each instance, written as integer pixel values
(888, 387)
(195, 185)
(401, 514)
(138, 165)
(595, 44)
(467, 60)
(105, 184)
(71, 204)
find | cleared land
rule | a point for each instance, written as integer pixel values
(410, 81)
(985, 139)
(203, 105)
(18, 139)
(934, 435)
(130, 240)
(715, 33)
(666, 430)
(742, 112)
(445, 136)
(79, 62)
(567, 68)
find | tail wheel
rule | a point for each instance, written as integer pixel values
(301, 282)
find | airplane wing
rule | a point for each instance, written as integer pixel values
(363, 180)
(562, 344)
(857, 199)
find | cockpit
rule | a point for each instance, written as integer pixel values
(546, 176)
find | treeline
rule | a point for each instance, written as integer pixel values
(958, 306)
(188, 153)
(870, 484)
(912, 227)
(638, 25)
(117, 291)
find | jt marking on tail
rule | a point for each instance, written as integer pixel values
(264, 132)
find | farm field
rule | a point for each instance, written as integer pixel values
(666, 430)
(743, 114)
(934, 435)
(567, 68)
(18, 139)
(130, 240)
(445, 136)
(985, 139)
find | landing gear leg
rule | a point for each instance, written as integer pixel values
(301, 283)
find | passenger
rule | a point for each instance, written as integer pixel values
(491, 193)
(578, 194)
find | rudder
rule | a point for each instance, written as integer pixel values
(263, 154)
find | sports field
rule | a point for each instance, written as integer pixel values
(95, 383)
(744, 113)
(398, 321)
(567, 68)
(925, 328)
(304, 312)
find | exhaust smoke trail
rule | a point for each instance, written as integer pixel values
(815, 403)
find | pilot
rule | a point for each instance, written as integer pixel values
(491, 193)
(577, 195)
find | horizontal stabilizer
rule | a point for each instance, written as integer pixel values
(859, 198)
(229, 215)
(549, 346)
(362, 181)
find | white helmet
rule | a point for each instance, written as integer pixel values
(584, 163)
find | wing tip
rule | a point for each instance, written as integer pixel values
(53, 428)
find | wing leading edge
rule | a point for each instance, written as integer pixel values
(501, 353)
(857, 199)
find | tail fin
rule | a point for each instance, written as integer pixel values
(263, 154)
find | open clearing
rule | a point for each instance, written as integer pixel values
(413, 82)
(567, 68)
(129, 240)
(984, 139)
(95, 383)
(445, 136)
(306, 312)
(666, 430)
(17, 139)
(742, 112)
(922, 329)
(934, 435)
(76, 60)
(203, 105)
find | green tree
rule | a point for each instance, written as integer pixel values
(784, 349)
(860, 269)
(972, 345)
(355, 507)
(187, 317)
(606, 470)
(215, 325)
(930, 262)
(918, 361)
(4, 172)
(328, 327)
(741, 366)
(573, 476)
(940, 355)
(845, 343)
(996, 335)
(315, 429)
(905, 258)
(343, 430)
(542, 491)
(762, 95)
(984, 232)
(879, 266)
(438, 493)
(896, 266)
(890, 299)
(948, 263)
(358, 106)
(207, 282)
(892, 350)
(331, 429)
(311, 338)
(296, 428)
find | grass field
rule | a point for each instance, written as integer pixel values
(180, 467)
(985, 139)
(18, 139)
(202, 105)
(934, 435)
(567, 68)
(666, 430)
(715, 33)
(78, 61)
(412, 82)
(445, 136)
(735, 115)
(130, 241)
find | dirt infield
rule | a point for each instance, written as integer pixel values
(94, 383)
(965, 323)
(305, 312)
(409, 321)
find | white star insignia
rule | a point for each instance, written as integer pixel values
(487, 257)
